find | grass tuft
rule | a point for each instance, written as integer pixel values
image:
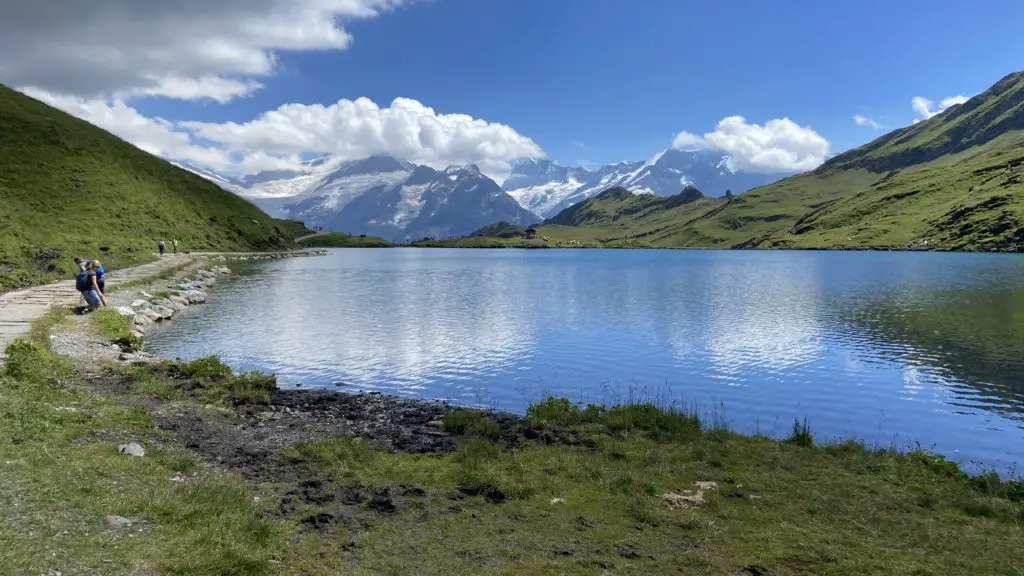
(801, 435)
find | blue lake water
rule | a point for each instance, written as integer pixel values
(891, 348)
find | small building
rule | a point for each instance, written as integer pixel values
(529, 234)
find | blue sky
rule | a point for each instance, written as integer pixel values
(606, 80)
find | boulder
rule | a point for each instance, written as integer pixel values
(141, 320)
(179, 299)
(151, 314)
(194, 296)
(140, 303)
(125, 311)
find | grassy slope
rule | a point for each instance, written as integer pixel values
(781, 507)
(953, 180)
(68, 187)
(340, 240)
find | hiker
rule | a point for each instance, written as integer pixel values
(174, 245)
(100, 280)
(161, 246)
(86, 283)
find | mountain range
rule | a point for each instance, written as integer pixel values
(380, 196)
(400, 201)
(546, 188)
(951, 182)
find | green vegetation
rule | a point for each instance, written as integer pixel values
(952, 182)
(115, 327)
(501, 230)
(61, 474)
(482, 242)
(206, 380)
(599, 490)
(568, 490)
(342, 240)
(69, 188)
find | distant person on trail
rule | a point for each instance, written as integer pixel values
(86, 283)
(174, 246)
(83, 265)
(161, 246)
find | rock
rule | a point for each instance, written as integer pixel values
(179, 299)
(137, 333)
(151, 314)
(145, 295)
(194, 296)
(141, 320)
(684, 499)
(143, 304)
(125, 311)
(118, 521)
(557, 501)
(163, 311)
(435, 424)
(133, 449)
(170, 304)
(706, 485)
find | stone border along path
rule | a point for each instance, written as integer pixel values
(19, 308)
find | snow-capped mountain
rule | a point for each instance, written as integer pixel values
(427, 203)
(547, 188)
(379, 195)
(226, 182)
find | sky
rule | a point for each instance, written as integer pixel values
(246, 85)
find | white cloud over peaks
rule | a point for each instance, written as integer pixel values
(347, 129)
(187, 49)
(862, 120)
(780, 145)
(358, 128)
(923, 107)
(158, 136)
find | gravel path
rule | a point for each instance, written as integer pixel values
(18, 309)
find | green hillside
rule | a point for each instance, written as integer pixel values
(952, 182)
(342, 240)
(68, 187)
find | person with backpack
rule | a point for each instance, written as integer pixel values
(100, 281)
(86, 283)
(161, 246)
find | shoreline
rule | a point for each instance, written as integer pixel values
(188, 467)
(452, 244)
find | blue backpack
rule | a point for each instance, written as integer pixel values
(82, 282)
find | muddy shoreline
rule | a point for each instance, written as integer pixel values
(251, 440)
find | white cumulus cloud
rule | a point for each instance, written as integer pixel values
(188, 49)
(924, 108)
(862, 120)
(161, 137)
(346, 129)
(358, 128)
(780, 145)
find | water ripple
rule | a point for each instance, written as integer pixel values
(919, 347)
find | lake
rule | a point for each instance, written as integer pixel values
(890, 348)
